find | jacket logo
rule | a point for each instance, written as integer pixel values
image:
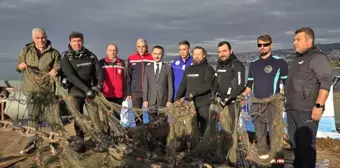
(268, 69)
(193, 75)
(183, 67)
(84, 64)
(177, 63)
(221, 70)
(238, 78)
(301, 62)
(119, 71)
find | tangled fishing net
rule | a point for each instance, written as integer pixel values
(174, 130)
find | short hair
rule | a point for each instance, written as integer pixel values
(38, 30)
(201, 48)
(75, 34)
(220, 44)
(265, 37)
(158, 47)
(308, 31)
(184, 43)
(114, 44)
(142, 40)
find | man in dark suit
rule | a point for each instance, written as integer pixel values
(158, 83)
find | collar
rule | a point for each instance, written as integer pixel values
(231, 57)
(269, 57)
(186, 59)
(306, 51)
(107, 59)
(160, 63)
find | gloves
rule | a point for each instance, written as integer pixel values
(189, 97)
(97, 89)
(225, 102)
(90, 94)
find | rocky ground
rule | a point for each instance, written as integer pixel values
(12, 142)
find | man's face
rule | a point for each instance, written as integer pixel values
(39, 39)
(183, 51)
(224, 52)
(141, 48)
(302, 42)
(264, 47)
(76, 44)
(157, 54)
(198, 56)
(111, 51)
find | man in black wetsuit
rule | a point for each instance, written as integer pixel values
(83, 73)
(229, 77)
(196, 85)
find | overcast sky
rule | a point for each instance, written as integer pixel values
(165, 22)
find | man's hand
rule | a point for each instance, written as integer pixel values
(180, 101)
(168, 104)
(90, 94)
(22, 66)
(128, 98)
(53, 72)
(146, 104)
(97, 89)
(316, 113)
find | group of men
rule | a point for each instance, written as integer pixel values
(147, 81)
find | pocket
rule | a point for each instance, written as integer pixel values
(297, 89)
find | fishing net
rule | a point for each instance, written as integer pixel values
(175, 129)
(277, 140)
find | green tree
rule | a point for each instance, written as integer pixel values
(335, 63)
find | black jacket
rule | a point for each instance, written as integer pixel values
(82, 70)
(197, 80)
(229, 79)
(309, 72)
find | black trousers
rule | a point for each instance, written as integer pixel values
(302, 132)
(263, 117)
(137, 102)
(79, 106)
(202, 118)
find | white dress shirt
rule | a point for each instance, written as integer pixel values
(159, 67)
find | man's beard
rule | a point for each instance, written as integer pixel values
(264, 53)
(197, 61)
(223, 58)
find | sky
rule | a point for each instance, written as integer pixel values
(165, 22)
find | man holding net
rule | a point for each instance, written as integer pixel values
(228, 84)
(265, 74)
(35, 60)
(83, 73)
(196, 85)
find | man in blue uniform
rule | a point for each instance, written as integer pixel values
(178, 65)
(265, 74)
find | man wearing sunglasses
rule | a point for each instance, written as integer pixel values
(265, 74)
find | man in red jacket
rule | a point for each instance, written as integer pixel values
(135, 73)
(114, 78)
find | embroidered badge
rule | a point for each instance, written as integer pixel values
(177, 63)
(268, 69)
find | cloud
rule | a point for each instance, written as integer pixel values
(166, 22)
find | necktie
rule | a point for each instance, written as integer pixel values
(157, 71)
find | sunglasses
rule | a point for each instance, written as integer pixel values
(264, 45)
